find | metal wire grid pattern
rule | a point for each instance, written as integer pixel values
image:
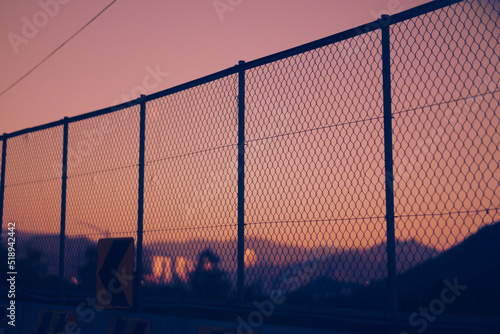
(103, 156)
(33, 202)
(190, 190)
(314, 171)
(445, 79)
(315, 202)
(445, 98)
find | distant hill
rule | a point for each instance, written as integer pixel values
(339, 277)
(370, 264)
(289, 268)
(475, 263)
(275, 265)
(48, 245)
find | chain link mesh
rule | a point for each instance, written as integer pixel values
(315, 197)
(314, 180)
(190, 198)
(103, 155)
(33, 202)
(445, 79)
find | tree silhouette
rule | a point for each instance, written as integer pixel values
(207, 280)
(87, 273)
(33, 272)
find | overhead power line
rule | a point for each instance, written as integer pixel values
(57, 49)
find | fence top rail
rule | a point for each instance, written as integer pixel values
(76, 118)
(353, 32)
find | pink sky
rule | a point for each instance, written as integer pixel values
(112, 58)
(129, 50)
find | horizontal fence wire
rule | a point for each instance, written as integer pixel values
(315, 228)
(314, 152)
(190, 192)
(32, 204)
(447, 176)
(102, 184)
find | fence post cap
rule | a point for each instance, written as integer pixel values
(385, 20)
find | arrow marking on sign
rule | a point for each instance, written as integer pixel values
(111, 264)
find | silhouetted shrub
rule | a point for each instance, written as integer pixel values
(207, 280)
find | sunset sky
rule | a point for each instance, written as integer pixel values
(106, 62)
(317, 187)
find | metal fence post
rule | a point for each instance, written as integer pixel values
(62, 234)
(140, 204)
(241, 181)
(389, 173)
(2, 181)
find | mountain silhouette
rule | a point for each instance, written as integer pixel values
(474, 263)
(364, 265)
(274, 259)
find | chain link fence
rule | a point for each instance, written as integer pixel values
(190, 185)
(314, 178)
(446, 118)
(32, 200)
(102, 182)
(274, 176)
